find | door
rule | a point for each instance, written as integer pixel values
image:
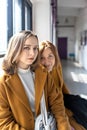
(62, 47)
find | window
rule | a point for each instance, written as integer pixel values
(9, 19)
(28, 16)
(3, 26)
(16, 15)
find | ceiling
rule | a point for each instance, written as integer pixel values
(67, 9)
(70, 7)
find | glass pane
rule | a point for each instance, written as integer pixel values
(17, 17)
(28, 16)
(3, 26)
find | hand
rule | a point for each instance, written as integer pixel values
(72, 128)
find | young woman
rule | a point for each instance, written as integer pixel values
(50, 59)
(22, 85)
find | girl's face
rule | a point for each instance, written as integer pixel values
(48, 59)
(29, 53)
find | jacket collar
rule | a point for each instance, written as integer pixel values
(40, 80)
(17, 88)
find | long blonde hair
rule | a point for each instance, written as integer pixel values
(15, 47)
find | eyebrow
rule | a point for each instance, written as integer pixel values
(31, 45)
(51, 53)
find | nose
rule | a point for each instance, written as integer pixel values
(46, 62)
(32, 53)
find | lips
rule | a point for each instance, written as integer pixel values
(48, 67)
(30, 58)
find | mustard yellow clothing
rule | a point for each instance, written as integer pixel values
(57, 76)
(15, 111)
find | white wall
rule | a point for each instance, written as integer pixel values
(41, 19)
(41, 25)
(81, 25)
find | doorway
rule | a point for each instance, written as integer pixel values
(62, 47)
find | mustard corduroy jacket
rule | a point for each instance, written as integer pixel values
(57, 77)
(15, 111)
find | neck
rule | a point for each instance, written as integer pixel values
(23, 66)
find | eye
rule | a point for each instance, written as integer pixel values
(26, 48)
(42, 58)
(51, 55)
(35, 48)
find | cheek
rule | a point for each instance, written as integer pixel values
(42, 62)
(53, 62)
(36, 54)
(22, 57)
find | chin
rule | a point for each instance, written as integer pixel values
(49, 70)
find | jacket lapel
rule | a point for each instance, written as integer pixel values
(17, 88)
(40, 79)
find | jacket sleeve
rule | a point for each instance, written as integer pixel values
(7, 121)
(56, 104)
(65, 90)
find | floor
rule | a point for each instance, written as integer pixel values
(75, 77)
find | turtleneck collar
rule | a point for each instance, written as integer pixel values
(20, 70)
